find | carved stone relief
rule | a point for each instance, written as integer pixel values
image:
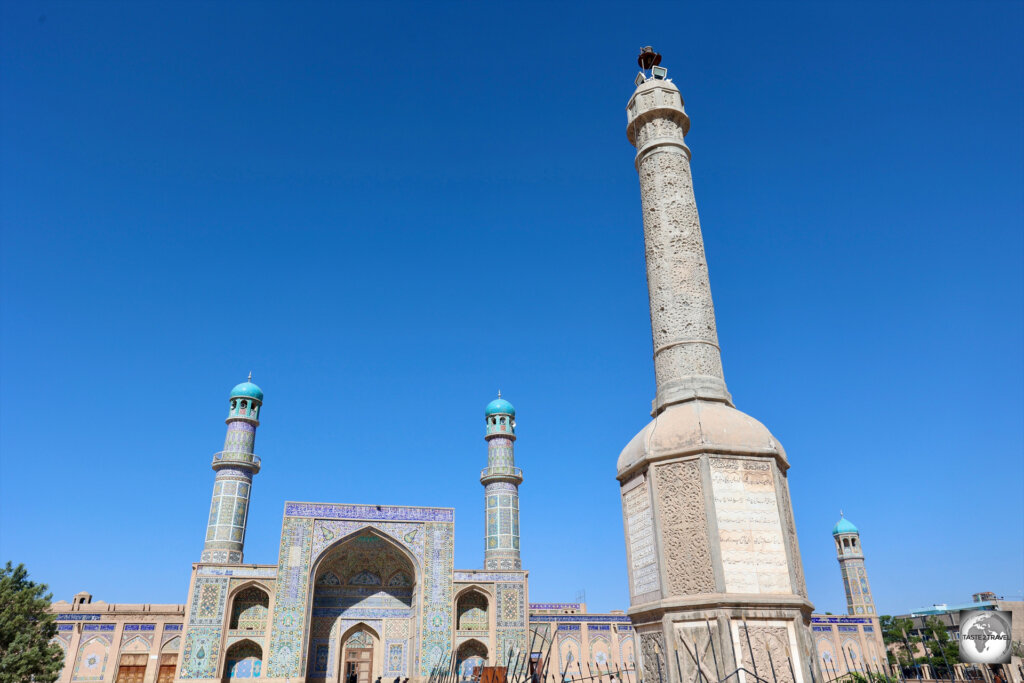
(652, 651)
(684, 528)
(787, 508)
(771, 651)
(693, 642)
(682, 312)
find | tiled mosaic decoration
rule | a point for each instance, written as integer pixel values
(136, 643)
(243, 572)
(93, 654)
(511, 618)
(627, 651)
(436, 627)
(201, 652)
(249, 609)
(394, 662)
(310, 529)
(568, 653)
(244, 660)
(170, 631)
(208, 598)
(472, 611)
(142, 633)
(468, 575)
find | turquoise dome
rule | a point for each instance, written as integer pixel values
(500, 406)
(247, 389)
(844, 526)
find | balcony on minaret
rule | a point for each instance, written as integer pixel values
(512, 474)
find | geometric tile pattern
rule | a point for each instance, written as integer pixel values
(511, 619)
(501, 545)
(311, 529)
(285, 658)
(229, 506)
(93, 653)
(436, 627)
(202, 636)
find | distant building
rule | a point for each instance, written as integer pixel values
(949, 616)
(852, 643)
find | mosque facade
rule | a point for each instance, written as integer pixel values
(372, 590)
(364, 590)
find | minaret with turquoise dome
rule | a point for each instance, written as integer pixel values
(235, 467)
(851, 565)
(501, 479)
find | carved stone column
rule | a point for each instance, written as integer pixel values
(714, 566)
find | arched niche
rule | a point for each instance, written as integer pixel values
(470, 657)
(357, 579)
(250, 606)
(600, 651)
(243, 660)
(569, 652)
(360, 654)
(91, 660)
(472, 610)
(168, 661)
(627, 652)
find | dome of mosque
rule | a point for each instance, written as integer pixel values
(500, 406)
(247, 389)
(844, 526)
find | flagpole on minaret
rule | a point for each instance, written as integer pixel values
(710, 539)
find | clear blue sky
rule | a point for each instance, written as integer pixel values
(388, 212)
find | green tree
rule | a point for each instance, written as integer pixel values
(26, 627)
(941, 649)
(896, 635)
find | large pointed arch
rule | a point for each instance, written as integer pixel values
(315, 565)
(323, 639)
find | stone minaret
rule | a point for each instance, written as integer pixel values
(235, 467)
(851, 565)
(501, 479)
(710, 538)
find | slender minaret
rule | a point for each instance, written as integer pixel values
(235, 467)
(501, 479)
(851, 565)
(710, 538)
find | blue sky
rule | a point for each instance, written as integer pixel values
(388, 212)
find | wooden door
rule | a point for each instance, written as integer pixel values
(131, 669)
(165, 674)
(359, 661)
